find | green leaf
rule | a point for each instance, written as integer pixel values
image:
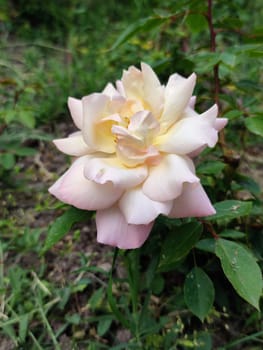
(178, 243)
(230, 209)
(103, 326)
(255, 125)
(7, 160)
(248, 183)
(142, 25)
(228, 233)
(26, 151)
(196, 22)
(199, 292)
(233, 114)
(27, 118)
(211, 168)
(96, 299)
(62, 225)
(204, 341)
(23, 326)
(205, 61)
(249, 49)
(158, 284)
(228, 58)
(206, 244)
(241, 269)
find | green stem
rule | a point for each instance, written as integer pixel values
(132, 262)
(111, 299)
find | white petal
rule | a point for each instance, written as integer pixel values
(132, 82)
(189, 134)
(120, 88)
(110, 91)
(113, 229)
(192, 102)
(75, 107)
(96, 131)
(73, 145)
(104, 170)
(220, 123)
(177, 96)
(153, 91)
(138, 209)
(73, 188)
(193, 202)
(144, 125)
(131, 155)
(165, 181)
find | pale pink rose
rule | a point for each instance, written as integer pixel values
(134, 148)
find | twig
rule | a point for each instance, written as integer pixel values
(210, 228)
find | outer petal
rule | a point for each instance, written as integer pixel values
(96, 131)
(113, 229)
(73, 145)
(153, 91)
(75, 107)
(220, 123)
(192, 102)
(192, 202)
(138, 209)
(73, 188)
(165, 181)
(177, 97)
(132, 82)
(105, 170)
(190, 134)
(110, 91)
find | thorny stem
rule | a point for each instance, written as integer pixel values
(213, 33)
(210, 228)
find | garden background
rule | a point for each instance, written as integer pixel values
(54, 293)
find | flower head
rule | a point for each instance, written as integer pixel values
(134, 152)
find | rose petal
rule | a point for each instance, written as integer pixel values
(153, 91)
(165, 181)
(131, 155)
(220, 123)
(192, 102)
(113, 229)
(75, 107)
(138, 209)
(120, 88)
(110, 91)
(193, 202)
(132, 82)
(144, 125)
(73, 145)
(104, 170)
(178, 92)
(96, 131)
(73, 188)
(189, 134)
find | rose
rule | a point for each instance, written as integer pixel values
(134, 148)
